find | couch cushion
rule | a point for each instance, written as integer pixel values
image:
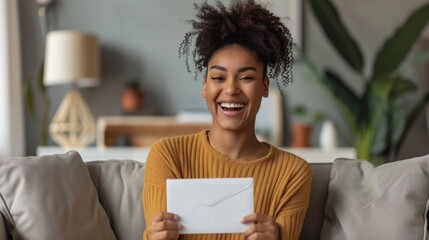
(385, 202)
(3, 231)
(51, 197)
(316, 211)
(119, 184)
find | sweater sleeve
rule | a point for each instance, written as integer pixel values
(290, 217)
(159, 167)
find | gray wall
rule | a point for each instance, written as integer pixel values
(140, 39)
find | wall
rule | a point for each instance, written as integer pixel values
(140, 39)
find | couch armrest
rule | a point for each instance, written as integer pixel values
(3, 229)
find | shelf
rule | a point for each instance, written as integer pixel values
(141, 131)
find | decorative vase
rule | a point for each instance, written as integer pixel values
(328, 138)
(301, 135)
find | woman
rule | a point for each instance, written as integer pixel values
(238, 48)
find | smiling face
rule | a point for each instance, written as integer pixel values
(234, 86)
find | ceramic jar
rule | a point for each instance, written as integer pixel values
(328, 138)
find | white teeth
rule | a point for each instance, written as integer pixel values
(232, 105)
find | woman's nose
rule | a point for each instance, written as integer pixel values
(232, 87)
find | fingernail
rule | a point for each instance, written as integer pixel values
(176, 217)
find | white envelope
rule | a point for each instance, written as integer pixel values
(211, 205)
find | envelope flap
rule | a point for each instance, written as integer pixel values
(232, 192)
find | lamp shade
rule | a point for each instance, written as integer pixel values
(72, 58)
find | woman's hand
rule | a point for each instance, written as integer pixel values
(263, 227)
(165, 225)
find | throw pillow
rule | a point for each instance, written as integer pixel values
(51, 197)
(119, 185)
(385, 202)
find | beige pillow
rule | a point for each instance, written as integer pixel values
(385, 202)
(51, 197)
(119, 185)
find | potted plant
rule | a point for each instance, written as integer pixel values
(302, 125)
(378, 120)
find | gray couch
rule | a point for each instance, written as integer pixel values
(62, 197)
(119, 185)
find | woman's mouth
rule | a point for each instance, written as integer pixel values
(232, 107)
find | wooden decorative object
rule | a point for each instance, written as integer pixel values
(73, 125)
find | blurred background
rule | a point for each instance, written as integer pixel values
(139, 42)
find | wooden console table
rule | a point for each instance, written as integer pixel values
(141, 131)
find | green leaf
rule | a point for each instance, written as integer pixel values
(411, 118)
(402, 86)
(365, 110)
(398, 116)
(337, 33)
(419, 58)
(343, 93)
(29, 98)
(40, 77)
(300, 110)
(397, 47)
(388, 129)
(381, 87)
(362, 142)
(391, 87)
(379, 135)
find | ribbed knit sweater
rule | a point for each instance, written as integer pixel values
(282, 180)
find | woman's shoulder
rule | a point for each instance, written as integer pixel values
(291, 158)
(286, 154)
(294, 167)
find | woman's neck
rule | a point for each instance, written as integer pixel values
(237, 145)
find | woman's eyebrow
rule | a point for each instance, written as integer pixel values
(242, 69)
(218, 67)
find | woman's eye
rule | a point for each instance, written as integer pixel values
(246, 78)
(217, 78)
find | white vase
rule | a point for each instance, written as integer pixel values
(328, 138)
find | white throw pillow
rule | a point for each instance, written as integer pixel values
(385, 202)
(50, 198)
(125, 210)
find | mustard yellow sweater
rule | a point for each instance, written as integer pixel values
(282, 180)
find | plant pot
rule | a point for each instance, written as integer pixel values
(301, 134)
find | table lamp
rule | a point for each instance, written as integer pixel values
(72, 58)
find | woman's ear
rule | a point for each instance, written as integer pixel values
(266, 86)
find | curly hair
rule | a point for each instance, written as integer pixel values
(245, 23)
